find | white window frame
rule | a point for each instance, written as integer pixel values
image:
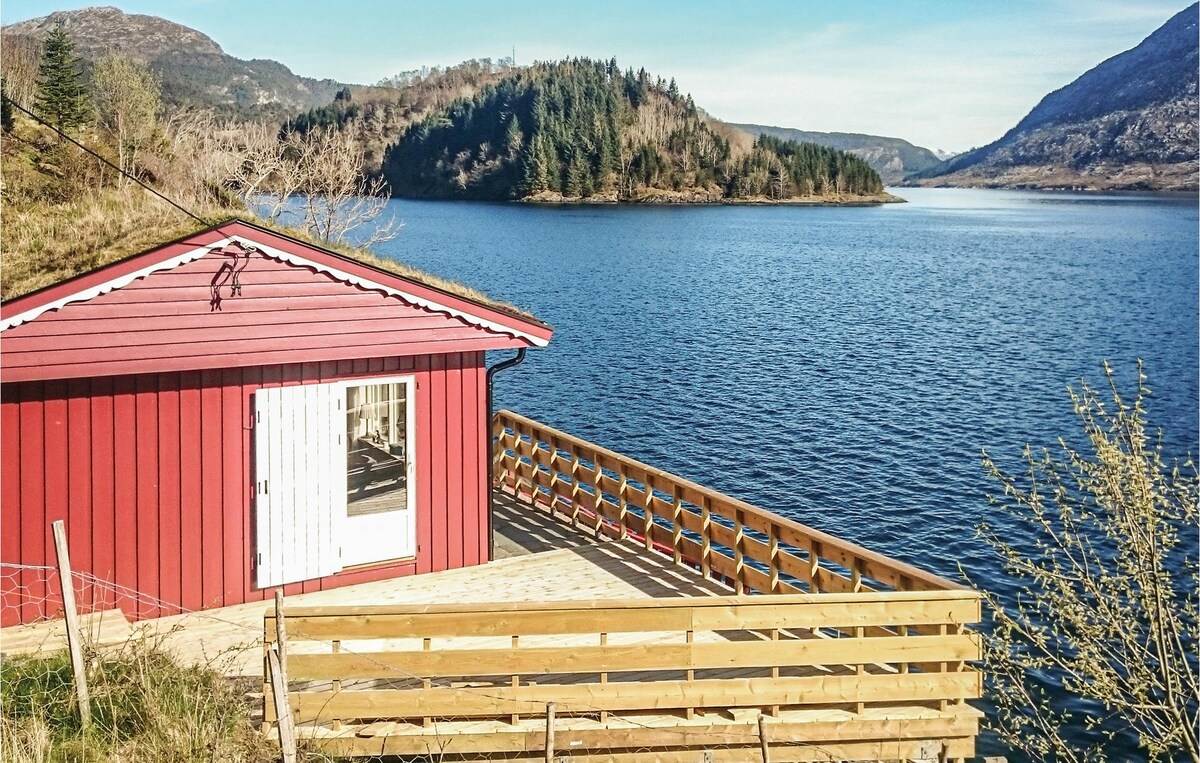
(410, 456)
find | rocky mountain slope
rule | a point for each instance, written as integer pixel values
(892, 158)
(193, 67)
(1129, 123)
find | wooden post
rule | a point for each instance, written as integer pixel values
(283, 709)
(604, 678)
(74, 642)
(279, 684)
(763, 742)
(280, 632)
(549, 732)
(677, 524)
(516, 681)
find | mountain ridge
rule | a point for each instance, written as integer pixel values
(893, 158)
(1130, 122)
(193, 67)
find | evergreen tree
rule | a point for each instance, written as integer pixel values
(513, 137)
(576, 176)
(535, 178)
(577, 127)
(61, 99)
(6, 109)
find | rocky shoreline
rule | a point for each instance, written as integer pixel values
(709, 197)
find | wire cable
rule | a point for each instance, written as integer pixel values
(84, 148)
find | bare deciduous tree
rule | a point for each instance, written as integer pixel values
(1109, 600)
(127, 98)
(316, 177)
(20, 57)
(324, 168)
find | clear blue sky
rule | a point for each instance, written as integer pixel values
(944, 74)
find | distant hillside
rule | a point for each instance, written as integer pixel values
(892, 158)
(378, 115)
(194, 68)
(1130, 122)
(582, 129)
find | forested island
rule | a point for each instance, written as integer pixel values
(583, 130)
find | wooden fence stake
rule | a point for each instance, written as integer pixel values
(280, 632)
(549, 732)
(283, 709)
(74, 642)
(763, 742)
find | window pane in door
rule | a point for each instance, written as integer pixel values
(377, 451)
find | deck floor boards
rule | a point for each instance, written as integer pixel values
(538, 559)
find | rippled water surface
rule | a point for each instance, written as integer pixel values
(841, 366)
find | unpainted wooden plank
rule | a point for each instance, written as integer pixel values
(699, 734)
(497, 701)
(622, 658)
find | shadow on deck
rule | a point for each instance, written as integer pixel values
(538, 559)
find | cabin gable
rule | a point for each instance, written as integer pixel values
(247, 298)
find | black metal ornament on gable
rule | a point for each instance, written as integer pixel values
(229, 274)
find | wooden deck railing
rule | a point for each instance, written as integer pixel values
(502, 663)
(746, 547)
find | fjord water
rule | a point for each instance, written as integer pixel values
(843, 366)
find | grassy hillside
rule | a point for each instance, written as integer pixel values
(582, 129)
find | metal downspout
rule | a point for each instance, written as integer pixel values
(503, 365)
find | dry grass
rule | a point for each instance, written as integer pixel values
(145, 706)
(59, 218)
(42, 245)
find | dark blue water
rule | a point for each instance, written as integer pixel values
(841, 366)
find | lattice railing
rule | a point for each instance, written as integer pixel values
(744, 546)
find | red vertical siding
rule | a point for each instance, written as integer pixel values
(33, 507)
(104, 559)
(10, 500)
(454, 438)
(212, 563)
(55, 468)
(147, 515)
(154, 474)
(190, 481)
(79, 481)
(425, 521)
(169, 517)
(125, 493)
(233, 482)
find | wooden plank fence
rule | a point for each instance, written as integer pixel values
(851, 655)
(504, 662)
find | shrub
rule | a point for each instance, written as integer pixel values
(1108, 607)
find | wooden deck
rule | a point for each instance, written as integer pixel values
(764, 625)
(537, 559)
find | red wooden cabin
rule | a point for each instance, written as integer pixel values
(237, 411)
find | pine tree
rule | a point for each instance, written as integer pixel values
(535, 177)
(576, 173)
(61, 99)
(513, 137)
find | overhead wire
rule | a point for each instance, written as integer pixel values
(123, 172)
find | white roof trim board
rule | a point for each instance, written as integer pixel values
(107, 286)
(410, 299)
(282, 256)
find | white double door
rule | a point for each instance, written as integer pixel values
(335, 477)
